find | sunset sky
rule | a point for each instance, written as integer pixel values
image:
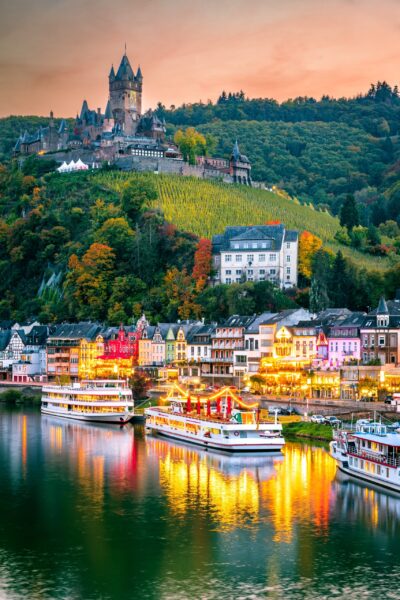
(54, 53)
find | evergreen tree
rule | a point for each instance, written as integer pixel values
(321, 268)
(349, 216)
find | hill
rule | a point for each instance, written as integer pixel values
(207, 207)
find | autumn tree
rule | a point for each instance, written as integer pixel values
(202, 263)
(180, 294)
(136, 196)
(309, 244)
(191, 143)
(88, 282)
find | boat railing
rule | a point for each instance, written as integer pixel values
(213, 418)
(390, 461)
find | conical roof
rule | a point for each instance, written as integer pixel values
(125, 69)
(112, 73)
(382, 307)
(108, 114)
(139, 73)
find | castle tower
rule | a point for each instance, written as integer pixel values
(239, 166)
(126, 96)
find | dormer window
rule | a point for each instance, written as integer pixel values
(383, 320)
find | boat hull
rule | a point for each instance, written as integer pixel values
(342, 461)
(274, 445)
(119, 418)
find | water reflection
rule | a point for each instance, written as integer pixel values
(227, 487)
(96, 511)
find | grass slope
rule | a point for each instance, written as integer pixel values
(207, 207)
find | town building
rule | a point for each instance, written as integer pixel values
(256, 253)
(344, 340)
(380, 334)
(227, 339)
(64, 349)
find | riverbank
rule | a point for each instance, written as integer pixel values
(312, 431)
(18, 397)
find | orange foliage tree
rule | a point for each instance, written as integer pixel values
(202, 263)
(89, 281)
(309, 244)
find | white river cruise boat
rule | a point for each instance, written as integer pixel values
(371, 453)
(105, 401)
(221, 421)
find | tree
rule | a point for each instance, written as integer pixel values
(320, 279)
(139, 384)
(309, 244)
(202, 263)
(88, 282)
(191, 143)
(349, 213)
(138, 194)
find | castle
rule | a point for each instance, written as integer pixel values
(125, 137)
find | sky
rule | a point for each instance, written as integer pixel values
(55, 53)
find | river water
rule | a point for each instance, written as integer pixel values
(95, 511)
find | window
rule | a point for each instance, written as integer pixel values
(272, 257)
(249, 271)
(261, 258)
(237, 279)
(288, 245)
(288, 270)
(262, 271)
(381, 340)
(272, 271)
(238, 271)
(228, 272)
(205, 350)
(238, 258)
(254, 245)
(228, 257)
(250, 258)
(245, 245)
(236, 246)
(228, 280)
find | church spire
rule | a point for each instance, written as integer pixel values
(112, 73)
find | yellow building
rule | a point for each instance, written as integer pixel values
(89, 351)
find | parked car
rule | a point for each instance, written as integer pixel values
(245, 390)
(363, 421)
(388, 400)
(367, 399)
(317, 419)
(292, 411)
(333, 421)
(274, 409)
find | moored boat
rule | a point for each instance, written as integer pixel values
(221, 421)
(371, 453)
(104, 401)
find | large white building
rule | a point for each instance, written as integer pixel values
(256, 253)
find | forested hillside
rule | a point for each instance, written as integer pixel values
(107, 246)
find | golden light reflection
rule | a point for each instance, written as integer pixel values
(285, 490)
(24, 442)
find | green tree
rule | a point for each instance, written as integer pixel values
(349, 213)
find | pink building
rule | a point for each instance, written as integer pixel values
(344, 344)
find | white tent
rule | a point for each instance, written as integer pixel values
(81, 166)
(71, 166)
(63, 167)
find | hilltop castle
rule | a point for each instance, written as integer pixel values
(126, 137)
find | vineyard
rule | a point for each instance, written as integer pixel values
(206, 208)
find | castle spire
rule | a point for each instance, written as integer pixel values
(139, 74)
(112, 73)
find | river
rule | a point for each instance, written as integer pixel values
(96, 511)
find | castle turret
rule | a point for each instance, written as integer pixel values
(126, 97)
(239, 166)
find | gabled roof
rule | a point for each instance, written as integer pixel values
(5, 337)
(254, 326)
(237, 321)
(75, 331)
(37, 335)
